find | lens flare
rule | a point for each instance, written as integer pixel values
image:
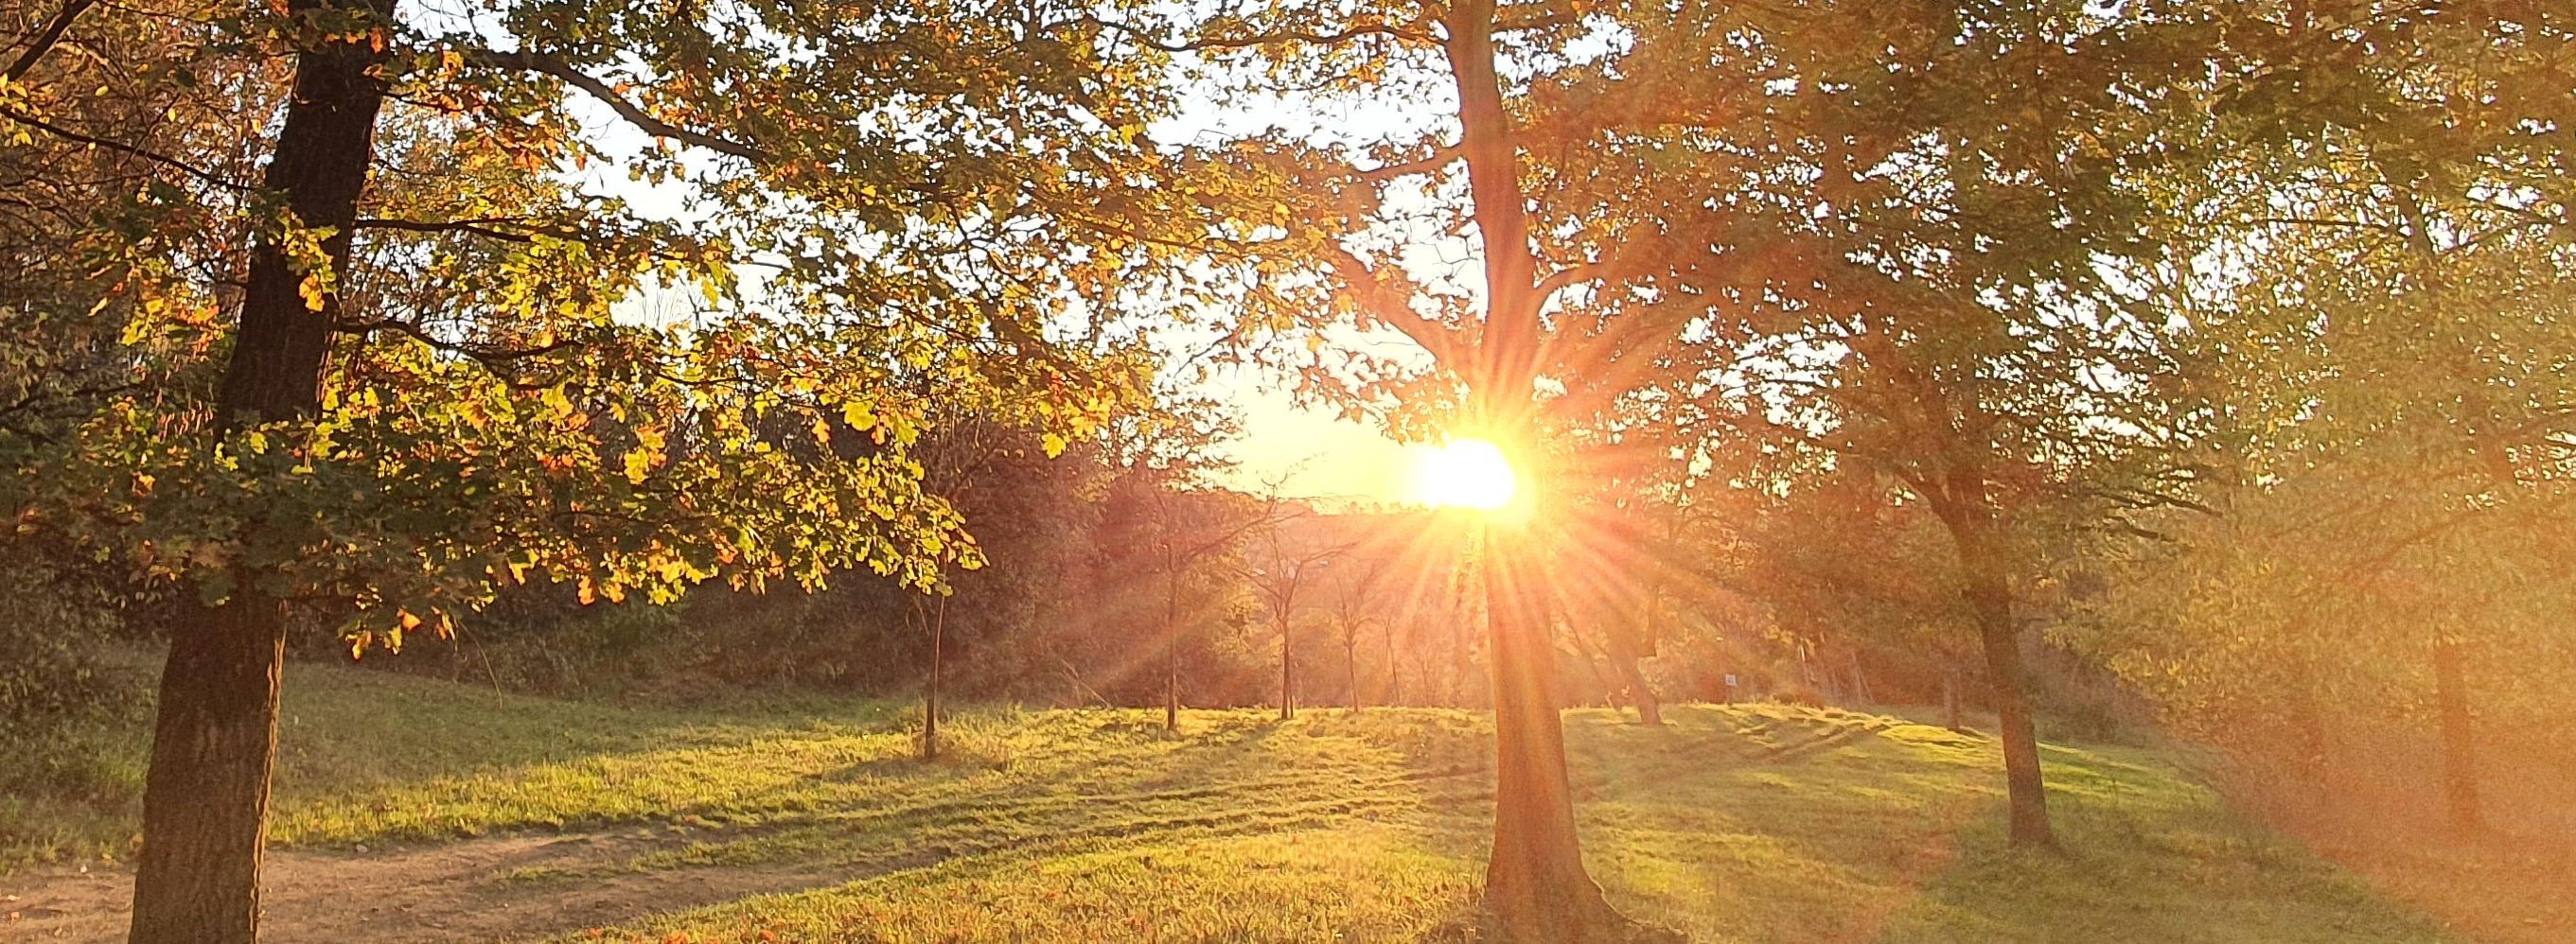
(1466, 473)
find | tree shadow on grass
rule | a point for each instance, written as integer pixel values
(1896, 834)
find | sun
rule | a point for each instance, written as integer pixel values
(1466, 473)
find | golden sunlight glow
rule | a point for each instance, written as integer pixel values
(1466, 473)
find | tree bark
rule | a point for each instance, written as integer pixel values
(1950, 701)
(1536, 885)
(1171, 685)
(1633, 677)
(1351, 670)
(1393, 694)
(1171, 644)
(2307, 718)
(1828, 680)
(1627, 648)
(1287, 671)
(930, 695)
(1989, 596)
(205, 797)
(2459, 737)
(214, 741)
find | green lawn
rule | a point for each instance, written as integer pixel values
(1752, 823)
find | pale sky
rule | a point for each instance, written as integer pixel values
(1312, 452)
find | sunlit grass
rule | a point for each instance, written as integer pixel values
(1751, 823)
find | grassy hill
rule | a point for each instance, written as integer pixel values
(414, 809)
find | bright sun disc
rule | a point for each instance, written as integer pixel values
(1467, 473)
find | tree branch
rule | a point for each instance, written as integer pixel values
(1440, 157)
(1393, 307)
(488, 357)
(165, 161)
(46, 38)
(625, 108)
(1413, 31)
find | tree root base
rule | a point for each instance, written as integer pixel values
(1605, 925)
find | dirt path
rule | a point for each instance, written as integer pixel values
(528, 886)
(474, 890)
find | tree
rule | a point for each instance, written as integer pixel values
(2378, 297)
(425, 388)
(1292, 557)
(99, 147)
(1838, 229)
(1487, 350)
(1884, 259)
(1037, 519)
(214, 739)
(1353, 597)
(2390, 364)
(1168, 516)
(1624, 542)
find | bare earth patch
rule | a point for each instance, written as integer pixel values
(478, 889)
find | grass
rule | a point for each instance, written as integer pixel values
(1752, 823)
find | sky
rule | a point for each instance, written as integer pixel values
(1313, 453)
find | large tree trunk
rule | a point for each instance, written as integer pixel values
(2459, 738)
(205, 796)
(1171, 685)
(1536, 884)
(1633, 677)
(1989, 594)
